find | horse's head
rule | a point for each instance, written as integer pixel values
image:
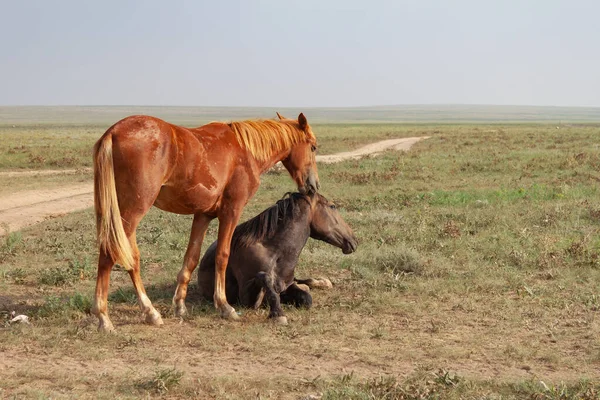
(328, 225)
(301, 162)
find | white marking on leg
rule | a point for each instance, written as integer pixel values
(145, 303)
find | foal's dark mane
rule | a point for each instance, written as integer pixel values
(265, 224)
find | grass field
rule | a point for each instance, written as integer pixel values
(477, 276)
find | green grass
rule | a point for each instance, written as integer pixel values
(476, 277)
(47, 146)
(162, 381)
(442, 384)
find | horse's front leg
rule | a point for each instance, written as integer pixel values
(190, 261)
(272, 290)
(228, 219)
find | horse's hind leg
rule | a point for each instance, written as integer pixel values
(295, 296)
(190, 261)
(100, 306)
(151, 316)
(268, 283)
(131, 219)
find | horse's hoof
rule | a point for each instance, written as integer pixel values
(230, 315)
(281, 320)
(106, 327)
(324, 283)
(180, 310)
(154, 318)
(303, 287)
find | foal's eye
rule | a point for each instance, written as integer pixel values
(333, 207)
(313, 148)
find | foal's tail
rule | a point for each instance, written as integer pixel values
(109, 227)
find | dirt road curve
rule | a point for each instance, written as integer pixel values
(371, 149)
(22, 209)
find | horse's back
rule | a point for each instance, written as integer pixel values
(142, 139)
(138, 127)
(143, 155)
(184, 170)
(206, 161)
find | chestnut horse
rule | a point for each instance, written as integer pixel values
(210, 172)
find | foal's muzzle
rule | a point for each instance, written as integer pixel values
(350, 245)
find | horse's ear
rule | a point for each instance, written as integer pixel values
(302, 121)
(279, 115)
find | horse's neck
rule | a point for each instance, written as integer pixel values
(274, 159)
(294, 233)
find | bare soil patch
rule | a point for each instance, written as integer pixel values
(43, 172)
(371, 149)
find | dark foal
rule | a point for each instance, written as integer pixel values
(266, 248)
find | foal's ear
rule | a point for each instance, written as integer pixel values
(279, 115)
(302, 121)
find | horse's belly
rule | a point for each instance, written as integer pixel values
(187, 200)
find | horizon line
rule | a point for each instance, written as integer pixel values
(300, 107)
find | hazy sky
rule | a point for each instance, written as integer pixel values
(300, 53)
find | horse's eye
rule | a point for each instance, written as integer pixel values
(333, 207)
(313, 148)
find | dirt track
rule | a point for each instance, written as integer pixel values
(371, 149)
(26, 208)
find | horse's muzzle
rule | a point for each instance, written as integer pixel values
(311, 185)
(350, 246)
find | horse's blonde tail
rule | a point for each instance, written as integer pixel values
(109, 227)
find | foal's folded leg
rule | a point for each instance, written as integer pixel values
(319, 283)
(268, 283)
(295, 296)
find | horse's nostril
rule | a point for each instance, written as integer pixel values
(312, 184)
(349, 246)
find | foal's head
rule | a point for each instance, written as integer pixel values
(327, 225)
(301, 162)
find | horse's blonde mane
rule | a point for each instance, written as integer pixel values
(265, 137)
